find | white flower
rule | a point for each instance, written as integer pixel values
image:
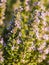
(1, 59)
(22, 60)
(42, 7)
(43, 56)
(18, 41)
(46, 51)
(40, 60)
(39, 3)
(37, 34)
(27, 8)
(20, 34)
(1, 22)
(26, 2)
(1, 40)
(17, 23)
(43, 16)
(37, 20)
(13, 47)
(42, 46)
(40, 51)
(3, 0)
(32, 47)
(44, 23)
(21, 9)
(46, 37)
(47, 29)
(47, 13)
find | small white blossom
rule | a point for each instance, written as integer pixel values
(40, 51)
(43, 16)
(13, 47)
(44, 23)
(32, 47)
(39, 3)
(37, 20)
(1, 59)
(42, 46)
(1, 22)
(26, 2)
(37, 34)
(17, 23)
(21, 9)
(23, 60)
(47, 13)
(27, 8)
(43, 57)
(47, 29)
(40, 60)
(42, 7)
(46, 51)
(20, 34)
(3, 0)
(46, 37)
(18, 41)
(1, 40)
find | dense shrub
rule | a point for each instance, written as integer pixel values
(24, 32)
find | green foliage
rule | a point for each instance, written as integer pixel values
(25, 41)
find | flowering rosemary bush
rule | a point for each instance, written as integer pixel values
(24, 32)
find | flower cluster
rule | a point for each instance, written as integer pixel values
(25, 38)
